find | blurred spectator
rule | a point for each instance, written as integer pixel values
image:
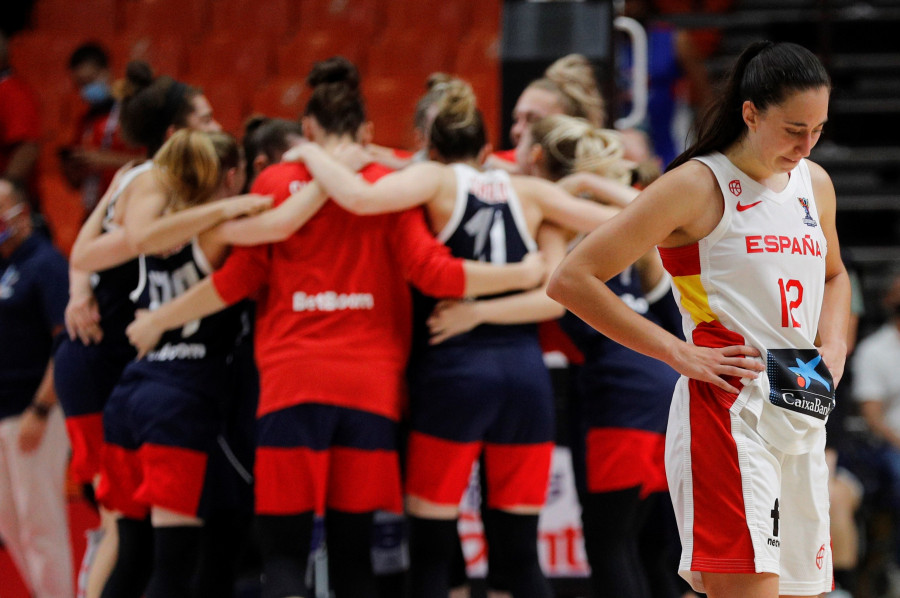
(20, 128)
(97, 149)
(877, 388)
(845, 488)
(34, 449)
(677, 80)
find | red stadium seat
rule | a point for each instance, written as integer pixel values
(247, 60)
(94, 19)
(275, 19)
(42, 56)
(409, 52)
(165, 54)
(391, 103)
(281, 98)
(367, 16)
(436, 17)
(165, 17)
(478, 54)
(296, 57)
(229, 99)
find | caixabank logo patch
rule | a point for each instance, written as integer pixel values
(800, 382)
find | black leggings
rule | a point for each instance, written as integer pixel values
(629, 544)
(349, 541)
(134, 560)
(285, 543)
(512, 545)
(176, 554)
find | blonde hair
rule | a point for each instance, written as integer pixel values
(435, 86)
(573, 81)
(572, 144)
(458, 129)
(189, 167)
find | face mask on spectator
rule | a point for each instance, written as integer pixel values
(96, 92)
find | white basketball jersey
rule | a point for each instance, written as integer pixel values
(758, 279)
(127, 178)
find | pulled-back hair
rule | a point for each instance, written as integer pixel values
(457, 132)
(270, 137)
(150, 105)
(189, 167)
(435, 86)
(766, 74)
(572, 79)
(572, 144)
(228, 151)
(336, 102)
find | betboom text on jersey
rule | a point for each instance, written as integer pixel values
(332, 301)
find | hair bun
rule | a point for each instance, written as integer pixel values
(336, 69)
(139, 73)
(435, 80)
(138, 76)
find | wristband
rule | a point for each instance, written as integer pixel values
(41, 410)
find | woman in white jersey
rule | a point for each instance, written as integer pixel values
(745, 226)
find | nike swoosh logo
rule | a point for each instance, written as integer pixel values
(741, 207)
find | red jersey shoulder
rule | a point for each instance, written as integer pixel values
(281, 180)
(506, 155)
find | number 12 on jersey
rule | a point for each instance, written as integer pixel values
(791, 297)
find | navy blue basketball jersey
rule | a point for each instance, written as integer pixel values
(195, 354)
(112, 287)
(620, 387)
(487, 225)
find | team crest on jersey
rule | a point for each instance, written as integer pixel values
(735, 187)
(800, 382)
(808, 220)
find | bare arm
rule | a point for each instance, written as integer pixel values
(90, 253)
(455, 317)
(499, 163)
(200, 300)
(483, 278)
(275, 225)
(599, 188)
(413, 186)
(835, 316)
(147, 230)
(82, 313)
(561, 208)
(386, 156)
(653, 218)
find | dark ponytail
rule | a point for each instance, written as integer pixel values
(765, 73)
(336, 102)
